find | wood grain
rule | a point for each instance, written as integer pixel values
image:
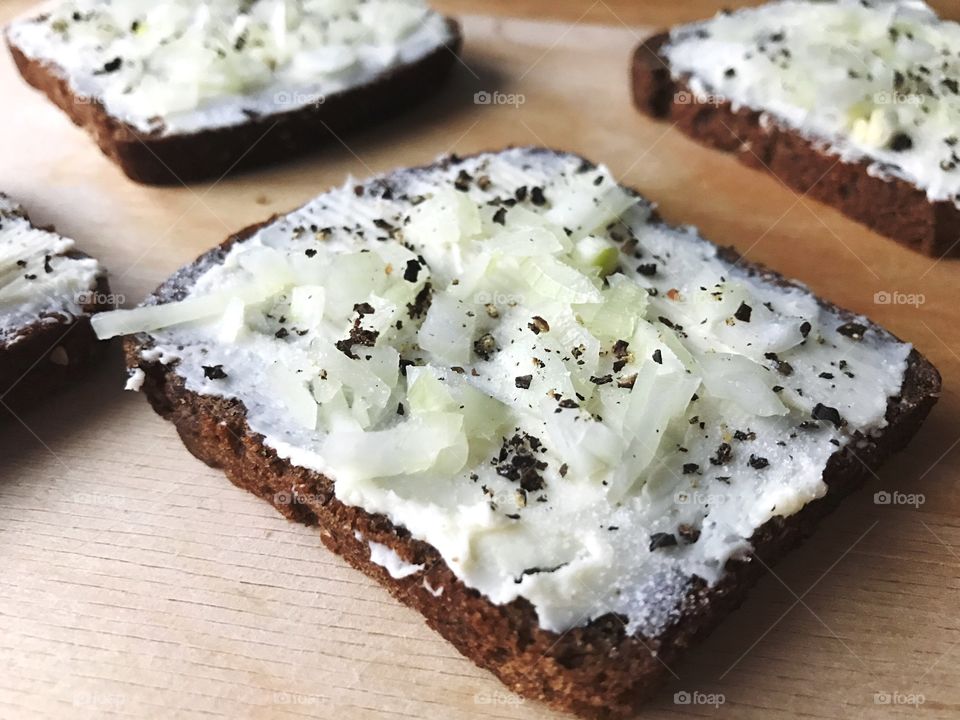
(137, 582)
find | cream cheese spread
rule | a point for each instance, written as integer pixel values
(391, 562)
(510, 357)
(178, 66)
(868, 80)
(39, 282)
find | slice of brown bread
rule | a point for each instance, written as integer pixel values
(894, 208)
(41, 352)
(162, 159)
(596, 670)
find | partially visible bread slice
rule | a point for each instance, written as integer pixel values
(48, 291)
(883, 200)
(270, 124)
(596, 668)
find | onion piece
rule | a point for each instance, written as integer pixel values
(306, 305)
(154, 317)
(233, 323)
(583, 208)
(555, 280)
(291, 389)
(743, 382)
(439, 224)
(411, 447)
(588, 447)
(624, 304)
(524, 242)
(593, 253)
(448, 330)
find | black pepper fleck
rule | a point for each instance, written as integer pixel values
(723, 454)
(213, 372)
(852, 330)
(662, 540)
(412, 271)
(830, 414)
(901, 142)
(647, 269)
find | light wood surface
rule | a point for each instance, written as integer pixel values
(136, 582)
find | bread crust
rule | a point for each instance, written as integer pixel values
(51, 352)
(596, 670)
(265, 140)
(894, 208)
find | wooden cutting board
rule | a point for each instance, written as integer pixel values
(135, 581)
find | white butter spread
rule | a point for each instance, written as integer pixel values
(572, 402)
(436, 592)
(38, 281)
(388, 559)
(391, 562)
(867, 80)
(177, 66)
(135, 380)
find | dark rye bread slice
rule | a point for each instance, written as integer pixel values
(156, 159)
(51, 351)
(894, 208)
(596, 670)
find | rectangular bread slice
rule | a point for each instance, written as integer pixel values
(48, 291)
(555, 426)
(854, 103)
(183, 91)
